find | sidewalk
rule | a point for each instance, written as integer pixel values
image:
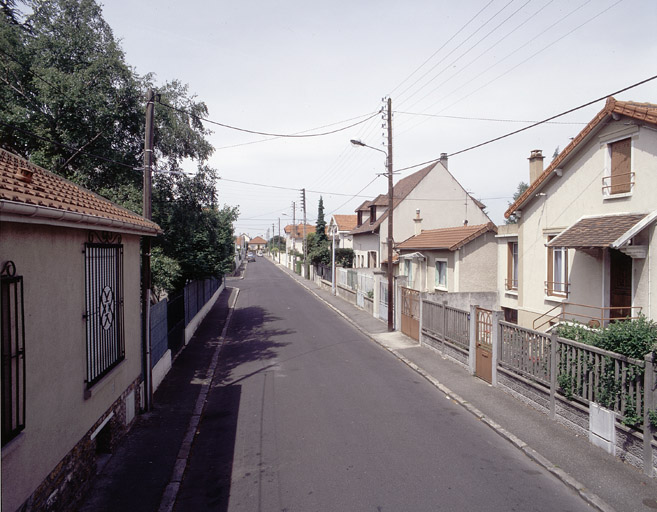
(604, 481)
(137, 474)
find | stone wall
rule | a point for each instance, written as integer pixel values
(68, 481)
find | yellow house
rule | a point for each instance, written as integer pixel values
(71, 332)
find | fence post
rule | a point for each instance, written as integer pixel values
(377, 293)
(472, 353)
(419, 334)
(496, 340)
(445, 320)
(553, 376)
(648, 387)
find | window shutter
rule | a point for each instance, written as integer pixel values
(620, 166)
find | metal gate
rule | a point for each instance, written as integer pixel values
(410, 314)
(484, 351)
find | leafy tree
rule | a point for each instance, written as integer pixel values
(520, 190)
(72, 104)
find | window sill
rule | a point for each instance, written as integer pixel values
(611, 197)
(13, 445)
(558, 299)
(513, 293)
(110, 378)
(440, 289)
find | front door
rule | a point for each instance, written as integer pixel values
(620, 285)
(410, 321)
(484, 351)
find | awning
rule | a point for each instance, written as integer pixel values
(604, 231)
(413, 256)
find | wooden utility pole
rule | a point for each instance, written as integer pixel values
(391, 324)
(146, 256)
(305, 245)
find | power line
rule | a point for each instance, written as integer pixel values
(481, 118)
(268, 134)
(533, 125)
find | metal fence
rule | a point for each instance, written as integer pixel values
(159, 331)
(446, 323)
(324, 272)
(197, 294)
(578, 371)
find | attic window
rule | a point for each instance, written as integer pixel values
(372, 214)
(360, 218)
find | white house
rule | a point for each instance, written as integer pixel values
(586, 224)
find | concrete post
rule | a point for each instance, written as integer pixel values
(496, 339)
(398, 283)
(648, 405)
(377, 293)
(472, 353)
(553, 376)
(444, 333)
(419, 334)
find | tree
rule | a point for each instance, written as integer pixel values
(520, 190)
(72, 104)
(320, 226)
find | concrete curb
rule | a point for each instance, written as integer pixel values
(589, 497)
(171, 491)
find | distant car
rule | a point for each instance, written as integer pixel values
(259, 253)
(250, 256)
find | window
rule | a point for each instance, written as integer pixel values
(372, 214)
(621, 178)
(360, 218)
(12, 336)
(512, 266)
(557, 281)
(371, 259)
(408, 271)
(441, 274)
(104, 307)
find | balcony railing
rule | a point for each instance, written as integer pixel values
(617, 183)
(592, 316)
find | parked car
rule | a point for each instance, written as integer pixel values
(250, 256)
(259, 253)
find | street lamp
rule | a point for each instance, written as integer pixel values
(388, 154)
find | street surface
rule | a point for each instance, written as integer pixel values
(307, 414)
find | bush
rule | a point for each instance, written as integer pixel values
(631, 338)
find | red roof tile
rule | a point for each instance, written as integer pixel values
(642, 111)
(24, 183)
(446, 238)
(346, 222)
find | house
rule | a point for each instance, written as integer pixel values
(586, 224)
(294, 236)
(71, 332)
(342, 225)
(257, 244)
(507, 270)
(433, 189)
(455, 260)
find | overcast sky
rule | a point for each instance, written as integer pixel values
(458, 73)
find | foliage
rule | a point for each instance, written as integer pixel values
(344, 257)
(631, 338)
(72, 104)
(520, 190)
(320, 226)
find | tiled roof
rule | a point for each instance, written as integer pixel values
(297, 231)
(399, 193)
(29, 190)
(346, 222)
(446, 238)
(258, 240)
(642, 111)
(600, 231)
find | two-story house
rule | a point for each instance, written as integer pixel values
(434, 190)
(342, 225)
(586, 224)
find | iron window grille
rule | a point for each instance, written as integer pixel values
(103, 305)
(13, 352)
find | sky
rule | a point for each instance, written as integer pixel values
(458, 74)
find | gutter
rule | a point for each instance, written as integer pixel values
(11, 211)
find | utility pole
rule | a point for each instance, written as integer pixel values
(278, 242)
(146, 256)
(305, 245)
(391, 325)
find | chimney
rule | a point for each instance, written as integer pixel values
(535, 165)
(418, 222)
(443, 159)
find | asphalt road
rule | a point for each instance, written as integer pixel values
(307, 414)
